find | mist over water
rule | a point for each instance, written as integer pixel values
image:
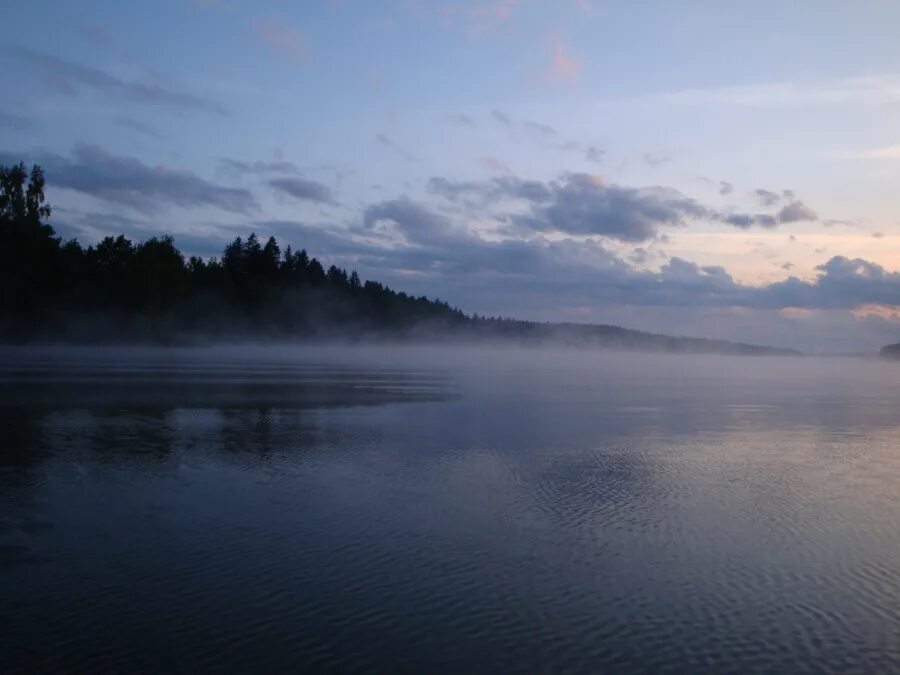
(421, 509)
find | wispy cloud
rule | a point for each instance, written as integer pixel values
(501, 117)
(129, 182)
(302, 189)
(70, 78)
(140, 127)
(562, 67)
(887, 152)
(238, 167)
(474, 17)
(393, 145)
(866, 90)
(15, 121)
(281, 38)
(482, 17)
(652, 159)
(540, 127)
(461, 119)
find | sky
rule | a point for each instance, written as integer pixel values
(724, 170)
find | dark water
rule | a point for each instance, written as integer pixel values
(412, 510)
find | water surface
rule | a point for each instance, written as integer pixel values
(419, 510)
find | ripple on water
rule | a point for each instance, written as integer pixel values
(261, 516)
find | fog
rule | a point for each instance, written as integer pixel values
(311, 373)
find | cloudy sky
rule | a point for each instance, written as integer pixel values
(720, 169)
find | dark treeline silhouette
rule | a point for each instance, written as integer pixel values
(120, 289)
(116, 290)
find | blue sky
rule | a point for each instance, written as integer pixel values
(701, 168)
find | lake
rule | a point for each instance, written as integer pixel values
(416, 509)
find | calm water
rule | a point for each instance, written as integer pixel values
(425, 510)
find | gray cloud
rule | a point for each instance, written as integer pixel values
(581, 204)
(766, 197)
(654, 160)
(544, 129)
(795, 212)
(491, 191)
(400, 150)
(583, 272)
(417, 223)
(747, 220)
(792, 212)
(842, 283)
(300, 188)
(129, 182)
(593, 154)
(140, 127)
(69, 78)
(15, 121)
(462, 120)
(238, 167)
(501, 117)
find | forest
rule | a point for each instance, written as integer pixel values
(118, 290)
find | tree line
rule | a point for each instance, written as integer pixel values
(117, 288)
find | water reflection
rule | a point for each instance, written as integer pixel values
(492, 515)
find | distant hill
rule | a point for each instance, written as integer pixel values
(890, 352)
(613, 337)
(117, 290)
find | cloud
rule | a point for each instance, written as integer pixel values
(400, 150)
(654, 160)
(887, 152)
(462, 120)
(484, 16)
(767, 198)
(745, 221)
(129, 182)
(579, 204)
(501, 117)
(475, 17)
(583, 272)
(842, 283)
(94, 33)
(562, 67)
(497, 189)
(583, 204)
(236, 166)
(70, 78)
(870, 90)
(281, 38)
(795, 212)
(15, 121)
(141, 127)
(494, 164)
(302, 189)
(417, 223)
(595, 155)
(725, 188)
(543, 129)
